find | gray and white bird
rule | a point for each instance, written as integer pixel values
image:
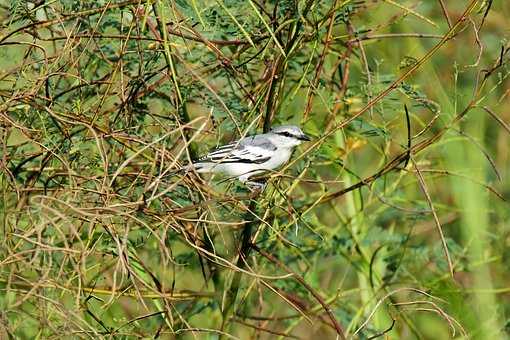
(252, 155)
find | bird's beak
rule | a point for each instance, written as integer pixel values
(305, 138)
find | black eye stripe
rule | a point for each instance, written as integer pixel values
(286, 134)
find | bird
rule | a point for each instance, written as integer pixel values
(252, 155)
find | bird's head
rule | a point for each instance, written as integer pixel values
(288, 135)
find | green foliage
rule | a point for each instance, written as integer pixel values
(390, 217)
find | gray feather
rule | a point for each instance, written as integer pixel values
(260, 141)
(224, 153)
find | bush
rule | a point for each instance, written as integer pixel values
(391, 222)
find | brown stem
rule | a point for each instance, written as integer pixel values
(302, 281)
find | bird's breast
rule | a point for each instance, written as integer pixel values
(280, 157)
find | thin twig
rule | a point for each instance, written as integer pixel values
(423, 186)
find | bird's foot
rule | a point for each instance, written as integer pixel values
(255, 186)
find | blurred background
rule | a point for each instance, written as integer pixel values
(392, 223)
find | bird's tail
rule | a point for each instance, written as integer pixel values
(183, 169)
(198, 167)
(171, 173)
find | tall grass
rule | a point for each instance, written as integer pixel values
(391, 223)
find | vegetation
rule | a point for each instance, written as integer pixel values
(392, 223)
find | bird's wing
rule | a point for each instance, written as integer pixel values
(255, 149)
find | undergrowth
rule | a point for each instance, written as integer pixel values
(391, 223)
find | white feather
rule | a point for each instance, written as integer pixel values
(252, 155)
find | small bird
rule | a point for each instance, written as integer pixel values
(252, 155)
